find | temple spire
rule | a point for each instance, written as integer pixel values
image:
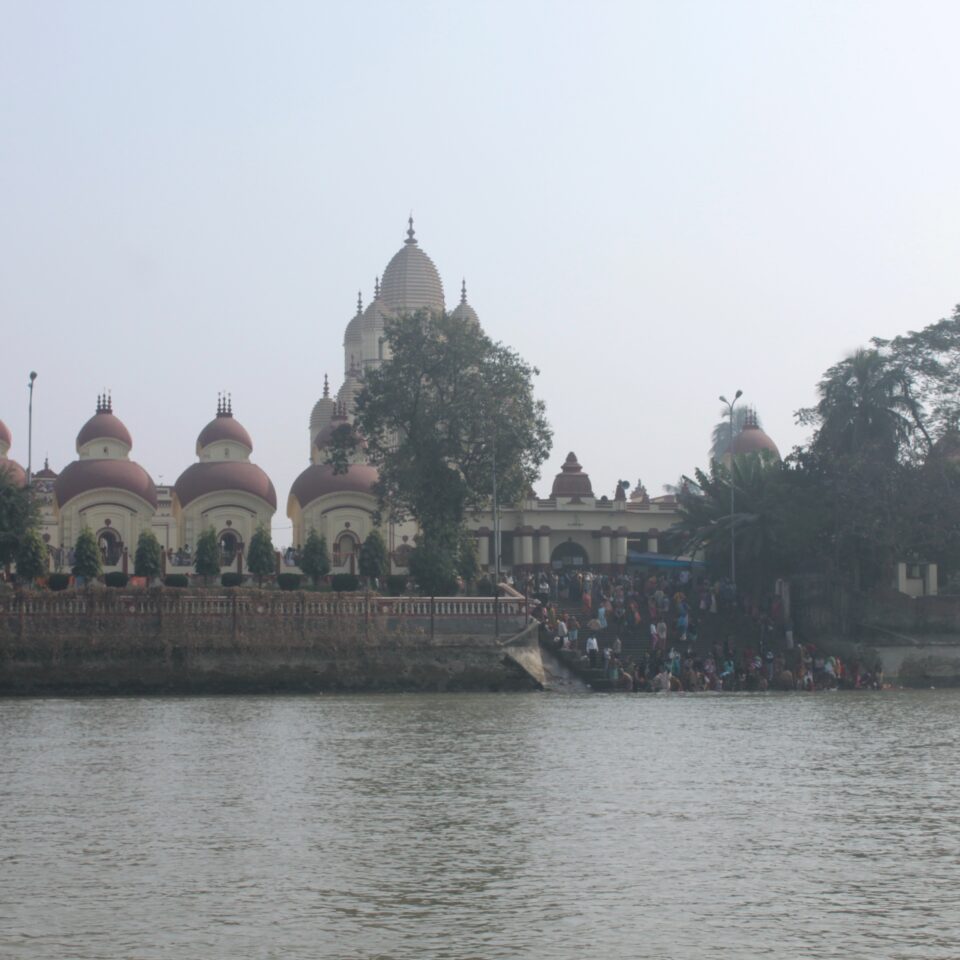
(463, 291)
(326, 387)
(359, 302)
(376, 288)
(411, 237)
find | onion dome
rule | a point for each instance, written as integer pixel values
(411, 280)
(571, 483)
(352, 385)
(319, 480)
(324, 408)
(223, 428)
(338, 420)
(353, 337)
(751, 439)
(374, 321)
(82, 476)
(221, 476)
(230, 473)
(46, 473)
(103, 425)
(463, 311)
(6, 438)
(376, 312)
(13, 471)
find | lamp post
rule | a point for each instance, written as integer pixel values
(33, 376)
(496, 541)
(733, 541)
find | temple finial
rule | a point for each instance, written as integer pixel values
(109, 401)
(463, 291)
(229, 404)
(326, 387)
(376, 287)
(219, 404)
(359, 302)
(411, 238)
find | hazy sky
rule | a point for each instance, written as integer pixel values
(654, 202)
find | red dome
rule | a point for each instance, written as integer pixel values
(221, 476)
(751, 439)
(224, 427)
(103, 426)
(319, 479)
(5, 436)
(571, 483)
(82, 476)
(13, 470)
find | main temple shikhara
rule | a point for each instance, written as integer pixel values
(112, 495)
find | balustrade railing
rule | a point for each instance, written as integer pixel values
(228, 604)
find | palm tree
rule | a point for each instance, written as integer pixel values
(866, 406)
(771, 524)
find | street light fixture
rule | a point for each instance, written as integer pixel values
(33, 376)
(733, 541)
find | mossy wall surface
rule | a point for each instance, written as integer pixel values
(170, 641)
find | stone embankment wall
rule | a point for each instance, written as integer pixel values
(249, 641)
(916, 638)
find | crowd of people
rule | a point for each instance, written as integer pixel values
(676, 631)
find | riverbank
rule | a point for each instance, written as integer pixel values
(174, 641)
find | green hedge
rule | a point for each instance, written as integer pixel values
(58, 581)
(289, 581)
(115, 578)
(231, 580)
(344, 582)
(176, 580)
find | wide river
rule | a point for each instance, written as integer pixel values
(483, 826)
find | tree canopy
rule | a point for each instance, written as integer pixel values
(147, 560)
(879, 480)
(374, 561)
(18, 514)
(206, 560)
(448, 407)
(32, 559)
(261, 558)
(87, 561)
(314, 557)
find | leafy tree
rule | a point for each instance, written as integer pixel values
(18, 513)
(206, 560)
(433, 565)
(32, 559)
(373, 560)
(261, 559)
(468, 562)
(867, 406)
(448, 405)
(314, 558)
(86, 556)
(147, 561)
(775, 524)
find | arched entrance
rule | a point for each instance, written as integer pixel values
(345, 551)
(229, 545)
(111, 546)
(569, 556)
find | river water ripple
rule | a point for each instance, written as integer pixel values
(488, 826)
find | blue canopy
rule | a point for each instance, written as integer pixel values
(635, 557)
